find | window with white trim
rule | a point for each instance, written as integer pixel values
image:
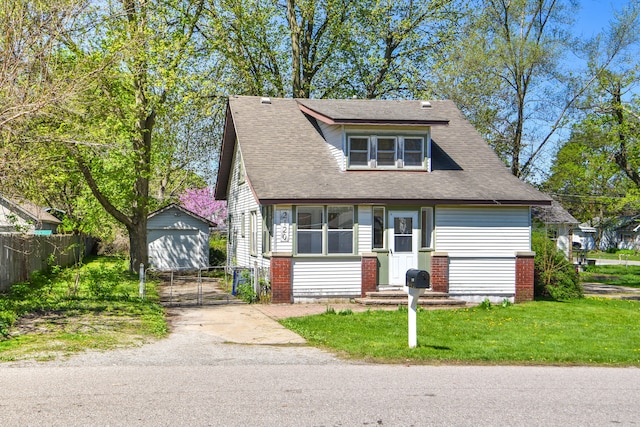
(317, 235)
(386, 151)
(310, 221)
(339, 229)
(267, 228)
(253, 233)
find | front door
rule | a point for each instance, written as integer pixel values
(403, 245)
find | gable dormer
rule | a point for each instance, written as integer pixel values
(369, 135)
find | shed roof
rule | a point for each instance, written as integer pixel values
(287, 159)
(183, 210)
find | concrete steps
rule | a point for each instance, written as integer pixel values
(398, 297)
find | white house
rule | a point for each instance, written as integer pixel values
(340, 197)
(178, 239)
(560, 225)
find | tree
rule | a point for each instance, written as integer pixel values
(248, 36)
(150, 73)
(584, 176)
(33, 32)
(394, 47)
(202, 202)
(335, 48)
(507, 75)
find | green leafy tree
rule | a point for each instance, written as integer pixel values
(123, 130)
(597, 169)
(249, 38)
(392, 48)
(334, 48)
(508, 73)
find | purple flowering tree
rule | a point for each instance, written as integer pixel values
(202, 202)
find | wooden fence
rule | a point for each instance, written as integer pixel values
(21, 255)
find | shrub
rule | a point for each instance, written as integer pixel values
(244, 288)
(555, 277)
(246, 292)
(217, 249)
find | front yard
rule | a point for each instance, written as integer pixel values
(586, 332)
(71, 310)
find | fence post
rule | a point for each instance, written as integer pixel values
(142, 280)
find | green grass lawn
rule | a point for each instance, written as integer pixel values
(585, 332)
(627, 255)
(619, 275)
(70, 310)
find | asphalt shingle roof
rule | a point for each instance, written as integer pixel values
(554, 214)
(287, 159)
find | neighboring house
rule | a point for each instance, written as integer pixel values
(627, 234)
(585, 236)
(25, 217)
(341, 197)
(559, 225)
(178, 239)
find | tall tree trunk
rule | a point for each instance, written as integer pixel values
(295, 49)
(138, 252)
(622, 156)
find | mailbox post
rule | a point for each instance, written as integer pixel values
(417, 281)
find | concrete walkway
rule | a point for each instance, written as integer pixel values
(233, 323)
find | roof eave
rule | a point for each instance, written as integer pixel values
(410, 202)
(225, 161)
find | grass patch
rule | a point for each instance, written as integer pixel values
(619, 275)
(622, 254)
(586, 331)
(70, 310)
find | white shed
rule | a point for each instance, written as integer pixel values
(178, 239)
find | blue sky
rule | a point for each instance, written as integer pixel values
(595, 15)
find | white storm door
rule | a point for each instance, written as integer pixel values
(403, 245)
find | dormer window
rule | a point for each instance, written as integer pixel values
(386, 152)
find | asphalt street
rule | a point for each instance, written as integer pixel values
(205, 375)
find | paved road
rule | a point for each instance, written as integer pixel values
(206, 375)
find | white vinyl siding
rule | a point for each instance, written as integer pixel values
(482, 244)
(239, 239)
(499, 231)
(482, 276)
(365, 230)
(333, 135)
(177, 240)
(318, 277)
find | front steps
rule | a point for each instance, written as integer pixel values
(399, 297)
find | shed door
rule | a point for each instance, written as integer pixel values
(403, 245)
(173, 249)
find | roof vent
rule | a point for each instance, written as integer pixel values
(265, 100)
(425, 104)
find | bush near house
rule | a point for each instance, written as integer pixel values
(555, 277)
(217, 249)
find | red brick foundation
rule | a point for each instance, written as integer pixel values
(439, 272)
(369, 274)
(281, 284)
(524, 276)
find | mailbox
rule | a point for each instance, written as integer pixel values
(418, 279)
